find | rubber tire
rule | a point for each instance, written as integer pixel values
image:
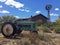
(14, 29)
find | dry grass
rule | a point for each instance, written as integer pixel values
(28, 38)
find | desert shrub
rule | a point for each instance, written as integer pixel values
(25, 41)
(38, 22)
(45, 37)
(57, 29)
(45, 29)
(41, 37)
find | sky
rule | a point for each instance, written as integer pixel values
(26, 8)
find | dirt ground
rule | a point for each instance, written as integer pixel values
(27, 38)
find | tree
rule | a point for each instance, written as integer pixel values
(58, 21)
(7, 19)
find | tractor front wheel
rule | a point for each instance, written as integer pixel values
(8, 29)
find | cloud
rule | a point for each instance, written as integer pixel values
(37, 12)
(25, 10)
(4, 11)
(52, 14)
(17, 17)
(1, 6)
(21, 9)
(56, 9)
(2, 0)
(13, 3)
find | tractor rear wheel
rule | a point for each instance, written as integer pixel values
(8, 29)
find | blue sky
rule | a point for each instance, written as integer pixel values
(26, 8)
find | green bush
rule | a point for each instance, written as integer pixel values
(45, 29)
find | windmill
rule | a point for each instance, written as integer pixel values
(48, 8)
